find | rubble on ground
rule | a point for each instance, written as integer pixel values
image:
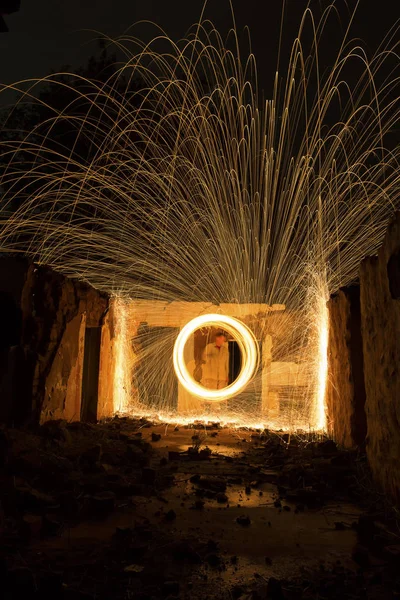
(77, 518)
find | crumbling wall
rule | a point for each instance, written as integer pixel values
(345, 393)
(59, 316)
(42, 364)
(63, 387)
(380, 323)
(363, 389)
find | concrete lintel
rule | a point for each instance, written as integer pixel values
(175, 314)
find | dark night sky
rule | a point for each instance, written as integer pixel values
(46, 34)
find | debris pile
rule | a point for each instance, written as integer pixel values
(132, 509)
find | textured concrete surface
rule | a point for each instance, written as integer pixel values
(345, 393)
(380, 321)
(41, 357)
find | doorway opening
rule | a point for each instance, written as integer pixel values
(90, 377)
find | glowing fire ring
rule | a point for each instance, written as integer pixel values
(248, 347)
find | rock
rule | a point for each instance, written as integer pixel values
(123, 535)
(235, 480)
(126, 488)
(184, 551)
(102, 504)
(360, 556)
(274, 589)
(79, 427)
(170, 515)
(69, 503)
(149, 476)
(155, 437)
(93, 483)
(306, 496)
(21, 583)
(392, 552)
(213, 560)
(366, 529)
(215, 484)
(51, 526)
(91, 456)
(221, 497)
(340, 526)
(30, 499)
(193, 453)
(344, 459)
(327, 448)
(205, 453)
(173, 455)
(55, 430)
(134, 454)
(48, 469)
(143, 531)
(243, 520)
(212, 546)
(132, 569)
(50, 586)
(292, 475)
(31, 526)
(198, 505)
(170, 588)
(236, 592)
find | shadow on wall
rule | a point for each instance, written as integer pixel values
(12, 321)
(393, 272)
(16, 367)
(7, 7)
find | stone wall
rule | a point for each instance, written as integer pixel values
(169, 317)
(364, 361)
(345, 393)
(116, 363)
(380, 323)
(42, 358)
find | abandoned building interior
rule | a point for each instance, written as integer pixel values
(71, 382)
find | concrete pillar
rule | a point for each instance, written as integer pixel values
(186, 402)
(73, 398)
(345, 390)
(117, 362)
(380, 327)
(269, 400)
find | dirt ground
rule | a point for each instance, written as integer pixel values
(131, 509)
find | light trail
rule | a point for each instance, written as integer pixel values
(173, 181)
(248, 347)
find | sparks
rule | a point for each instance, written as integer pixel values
(185, 187)
(248, 346)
